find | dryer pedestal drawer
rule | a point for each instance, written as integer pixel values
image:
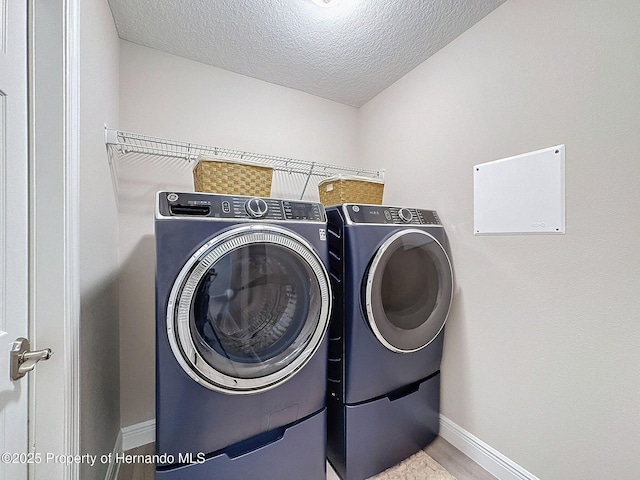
(298, 453)
(367, 438)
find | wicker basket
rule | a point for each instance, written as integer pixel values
(336, 190)
(222, 175)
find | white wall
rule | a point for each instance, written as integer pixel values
(541, 351)
(174, 98)
(99, 265)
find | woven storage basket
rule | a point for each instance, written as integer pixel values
(221, 175)
(336, 190)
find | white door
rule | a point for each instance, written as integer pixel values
(14, 239)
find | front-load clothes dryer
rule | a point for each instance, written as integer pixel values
(243, 301)
(393, 287)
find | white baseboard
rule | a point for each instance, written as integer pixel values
(114, 467)
(135, 436)
(487, 457)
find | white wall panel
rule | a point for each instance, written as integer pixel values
(520, 194)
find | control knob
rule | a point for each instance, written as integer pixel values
(405, 215)
(256, 207)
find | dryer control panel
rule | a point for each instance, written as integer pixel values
(383, 215)
(190, 205)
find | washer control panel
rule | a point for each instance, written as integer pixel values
(391, 215)
(190, 205)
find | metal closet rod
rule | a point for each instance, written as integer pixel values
(127, 142)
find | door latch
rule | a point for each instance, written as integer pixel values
(23, 360)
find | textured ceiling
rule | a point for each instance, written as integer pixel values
(348, 53)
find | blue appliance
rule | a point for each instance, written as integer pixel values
(243, 301)
(393, 287)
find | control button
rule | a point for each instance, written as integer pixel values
(405, 215)
(355, 208)
(226, 207)
(256, 207)
(387, 215)
(172, 197)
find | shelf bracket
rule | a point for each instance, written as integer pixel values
(110, 136)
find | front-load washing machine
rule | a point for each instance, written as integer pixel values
(393, 287)
(243, 301)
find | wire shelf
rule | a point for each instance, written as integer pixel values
(122, 144)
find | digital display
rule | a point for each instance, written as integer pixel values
(301, 211)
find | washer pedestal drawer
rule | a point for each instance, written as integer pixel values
(367, 438)
(298, 453)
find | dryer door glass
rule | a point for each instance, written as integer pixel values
(408, 290)
(258, 306)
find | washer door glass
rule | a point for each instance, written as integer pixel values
(408, 290)
(252, 308)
